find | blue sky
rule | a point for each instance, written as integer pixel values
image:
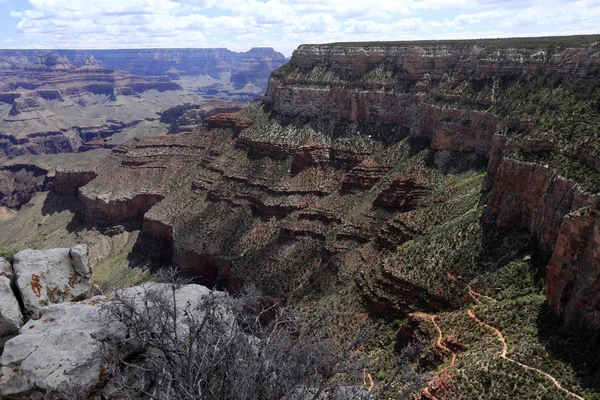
(282, 24)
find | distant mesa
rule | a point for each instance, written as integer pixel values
(51, 62)
(65, 101)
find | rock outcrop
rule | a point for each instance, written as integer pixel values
(402, 194)
(58, 351)
(72, 101)
(251, 67)
(52, 76)
(11, 318)
(411, 91)
(572, 279)
(228, 121)
(6, 268)
(19, 183)
(45, 277)
(338, 162)
(61, 350)
(189, 117)
(67, 183)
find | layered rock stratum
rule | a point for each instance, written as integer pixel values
(82, 102)
(296, 167)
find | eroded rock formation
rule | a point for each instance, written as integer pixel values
(249, 68)
(324, 173)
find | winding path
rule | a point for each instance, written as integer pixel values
(476, 296)
(527, 367)
(440, 344)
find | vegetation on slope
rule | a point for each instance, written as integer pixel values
(522, 43)
(565, 114)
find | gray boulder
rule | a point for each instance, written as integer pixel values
(61, 349)
(190, 299)
(6, 268)
(11, 318)
(58, 351)
(79, 256)
(45, 277)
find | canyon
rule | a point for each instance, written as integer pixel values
(396, 179)
(89, 102)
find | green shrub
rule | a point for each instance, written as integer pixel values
(7, 254)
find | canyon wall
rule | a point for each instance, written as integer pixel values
(335, 167)
(254, 65)
(403, 85)
(48, 98)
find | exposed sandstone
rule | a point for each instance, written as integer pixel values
(26, 104)
(457, 130)
(156, 239)
(105, 212)
(536, 198)
(228, 121)
(19, 183)
(264, 148)
(68, 182)
(533, 197)
(291, 188)
(52, 76)
(395, 233)
(437, 60)
(572, 279)
(253, 66)
(364, 176)
(402, 194)
(189, 117)
(314, 156)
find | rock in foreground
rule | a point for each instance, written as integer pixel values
(11, 318)
(58, 351)
(45, 277)
(61, 350)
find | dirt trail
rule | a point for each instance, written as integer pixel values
(505, 350)
(440, 344)
(476, 296)
(371, 382)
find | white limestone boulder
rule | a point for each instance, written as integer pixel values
(45, 277)
(190, 300)
(6, 268)
(56, 352)
(60, 350)
(79, 256)
(11, 318)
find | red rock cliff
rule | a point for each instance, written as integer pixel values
(310, 175)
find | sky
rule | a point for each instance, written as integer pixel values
(282, 24)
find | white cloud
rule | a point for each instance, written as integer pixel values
(283, 24)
